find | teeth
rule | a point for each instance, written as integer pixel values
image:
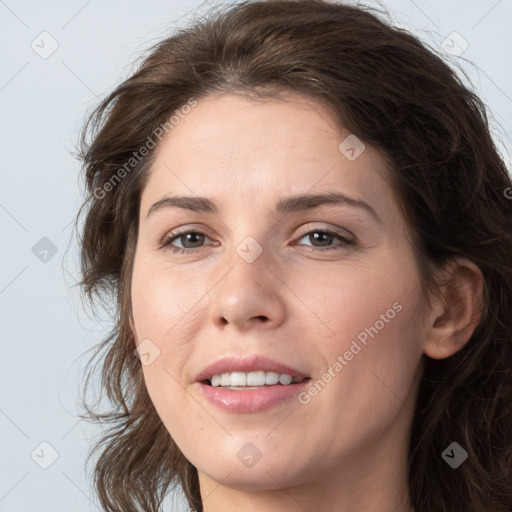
(271, 378)
(238, 379)
(252, 379)
(285, 379)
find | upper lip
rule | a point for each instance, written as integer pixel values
(246, 364)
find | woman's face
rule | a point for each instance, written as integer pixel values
(258, 277)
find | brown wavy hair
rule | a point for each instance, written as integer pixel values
(394, 93)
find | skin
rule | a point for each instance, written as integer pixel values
(346, 449)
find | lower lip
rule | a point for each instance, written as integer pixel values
(251, 400)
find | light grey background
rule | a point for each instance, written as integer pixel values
(43, 329)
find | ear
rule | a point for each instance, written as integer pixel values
(456, 312)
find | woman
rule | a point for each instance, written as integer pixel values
(306, 226)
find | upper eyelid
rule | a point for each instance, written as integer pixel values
(180, 230)
(345, 233)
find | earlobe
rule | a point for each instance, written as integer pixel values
(457, 311)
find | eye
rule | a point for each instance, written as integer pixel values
(325, 238)
(193, 239)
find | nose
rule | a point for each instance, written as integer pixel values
(250, 294)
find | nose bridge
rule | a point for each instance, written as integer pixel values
(249, 262)
(251, 243)
(251, 251)
(249, 287)
(248, 232)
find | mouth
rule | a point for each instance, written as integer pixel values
(249, 371)
(251, 380)
(250, 384)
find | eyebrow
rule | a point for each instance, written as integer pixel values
(287, 205)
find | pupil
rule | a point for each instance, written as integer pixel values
(188, 235)
(319, 234)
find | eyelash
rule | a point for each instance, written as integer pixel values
(166, 242)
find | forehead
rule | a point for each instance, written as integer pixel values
(238, 149)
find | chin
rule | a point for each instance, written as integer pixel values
(264, 475)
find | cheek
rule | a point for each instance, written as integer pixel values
(164, 298)
(369, 370)
(345, 300)
(167, 310)
(369, 320)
